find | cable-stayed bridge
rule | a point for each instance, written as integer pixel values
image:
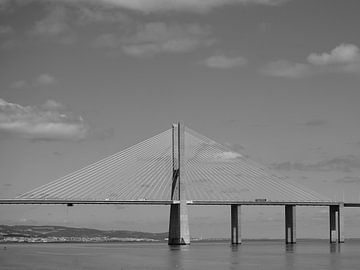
(180, 167)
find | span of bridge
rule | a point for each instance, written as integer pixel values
(180, 167)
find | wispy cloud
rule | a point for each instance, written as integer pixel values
(19, 84)
(286, 69)
(344, 58)
(221, 61)
(48, 122)
(158, 37)
(151, 6)
(54, 26)
(42, 80)
(316, 123)
(342, 163)
(349, 180)
(45, 79)
(94, 14)
(228, 155)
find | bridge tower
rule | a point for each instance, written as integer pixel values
(179, 221)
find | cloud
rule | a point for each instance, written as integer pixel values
(344, 58)
(342, 54)
(45, 79)
(20, 84)
(225, 62)
(107, 40)
(349, 180)
(316, 123)
(158, 37)
(286, 69)
(90, 14)
(342, 163)
(41, 80)
(151, 6)
(52, 105)
(48, 122)
(184, 5)
(227, 156)
(235, 147)
(54, 26)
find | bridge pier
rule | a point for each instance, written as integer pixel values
(290, 224)
(179, 225)
(336, 220)
(235, 224)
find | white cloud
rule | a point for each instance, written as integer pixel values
(344, 58)
(225, 62)
(158, 37)
(286, 69)
(341, 55)
(48, 122)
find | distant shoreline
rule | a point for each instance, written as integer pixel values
(29, 234)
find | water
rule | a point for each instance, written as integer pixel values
(210, 256)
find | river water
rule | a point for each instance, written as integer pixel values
(269, 255)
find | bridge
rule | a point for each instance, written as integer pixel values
(180, 167)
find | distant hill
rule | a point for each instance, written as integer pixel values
(62, 231)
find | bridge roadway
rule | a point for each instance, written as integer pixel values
(169, 202)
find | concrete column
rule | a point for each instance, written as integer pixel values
(290, 224)
(235, 224)
(336, 219)
(179, 225)
(179, 222)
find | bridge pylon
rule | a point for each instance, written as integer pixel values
(179, 222)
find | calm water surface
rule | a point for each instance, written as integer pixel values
(210, 256)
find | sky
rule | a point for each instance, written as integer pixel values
(277, 80)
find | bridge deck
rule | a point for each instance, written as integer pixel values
(169, 202)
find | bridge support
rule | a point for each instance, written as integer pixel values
(179, 225)
(179, 222)
(336, 223)
(290, 224)
(235, 224)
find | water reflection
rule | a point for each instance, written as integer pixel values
(176, 255)
(290, 253)
(290, 248)
(235, 257)
(334, 260)
(309, 255)
(335, 248)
